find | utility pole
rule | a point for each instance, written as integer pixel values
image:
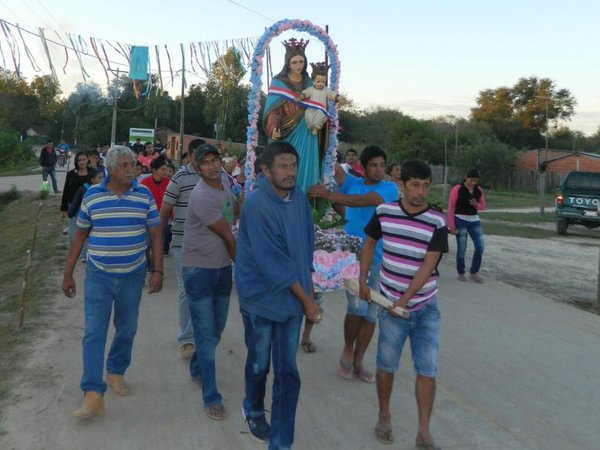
(456, 144)
(445, 179)
(541, 173)
(113, 133)
(181, 122)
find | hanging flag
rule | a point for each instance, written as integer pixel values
(159, 69)
(45, 45)
(138, 66)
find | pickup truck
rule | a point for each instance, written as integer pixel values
(578, 201)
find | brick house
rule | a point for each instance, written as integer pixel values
(558, 164)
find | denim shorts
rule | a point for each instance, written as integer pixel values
(362, 308)
(423, 330)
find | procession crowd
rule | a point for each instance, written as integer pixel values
(122, 221)
(119, 223)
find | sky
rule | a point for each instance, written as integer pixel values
(425, 58)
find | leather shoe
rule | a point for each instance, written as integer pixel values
(117, 384)
(93, 405)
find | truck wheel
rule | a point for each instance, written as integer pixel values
(561, 226)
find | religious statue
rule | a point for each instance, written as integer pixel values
(284, 118)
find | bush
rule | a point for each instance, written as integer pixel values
(10, 196)
(13, 153)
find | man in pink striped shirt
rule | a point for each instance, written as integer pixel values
(414, 237)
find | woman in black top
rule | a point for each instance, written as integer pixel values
(75, 178)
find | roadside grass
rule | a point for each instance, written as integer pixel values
(516, 230)
(497, 198)
(517, 217)
(27, 169)
(18, 217)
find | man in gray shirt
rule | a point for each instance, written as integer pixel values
(208, 251)
(175, 203)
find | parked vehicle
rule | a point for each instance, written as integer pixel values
(578, 201)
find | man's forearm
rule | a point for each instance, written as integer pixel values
(302, 296)
(419, 280)
(157, 249)
(354, 200)
(74, 251)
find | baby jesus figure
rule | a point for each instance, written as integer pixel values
(319, 93)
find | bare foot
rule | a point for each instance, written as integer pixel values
(383, 431)
(347, 357)
(424, 441)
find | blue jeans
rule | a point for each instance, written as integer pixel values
(474, 230)
(101, 292)
(423, 330)
(52, 172)
(265, 339)
(186, 332)
(208, 292)
(362, 308)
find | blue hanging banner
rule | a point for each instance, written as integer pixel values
(138, 67)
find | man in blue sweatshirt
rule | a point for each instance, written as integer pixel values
(275, 290)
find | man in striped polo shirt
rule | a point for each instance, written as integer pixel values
(414, 237)
(175, 201)
(115, 217)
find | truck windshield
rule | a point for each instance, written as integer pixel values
(582, 180)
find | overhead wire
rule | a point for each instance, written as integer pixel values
(50, 14)
(252, 11)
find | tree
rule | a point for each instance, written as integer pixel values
(19, 107)
(493, 159)
(86, 115)
(160, 107)
(521, 115)
(368, 127)
(416, 139)
(47, 91)
(226, 100)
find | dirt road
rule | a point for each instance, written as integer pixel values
(517, 371)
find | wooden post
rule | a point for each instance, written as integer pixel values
(21, 312)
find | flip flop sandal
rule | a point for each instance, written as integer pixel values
(345, 370)
(308, 347)
(428, 447)
(383, 435)
(215, 411)
(365, 375)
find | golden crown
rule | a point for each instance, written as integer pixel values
(319, 68)
(295, 46)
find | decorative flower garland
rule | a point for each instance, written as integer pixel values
(254, 96)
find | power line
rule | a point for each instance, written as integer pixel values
(11, 11)
(50, 14)
(41, 19)
(252, 11)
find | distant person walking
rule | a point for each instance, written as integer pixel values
(115, 216)
(147, 156)
(47, 160)
(465, 200)
(75, 178)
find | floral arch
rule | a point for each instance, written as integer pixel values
(256, 82)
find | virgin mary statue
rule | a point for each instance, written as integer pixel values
(283, 117)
